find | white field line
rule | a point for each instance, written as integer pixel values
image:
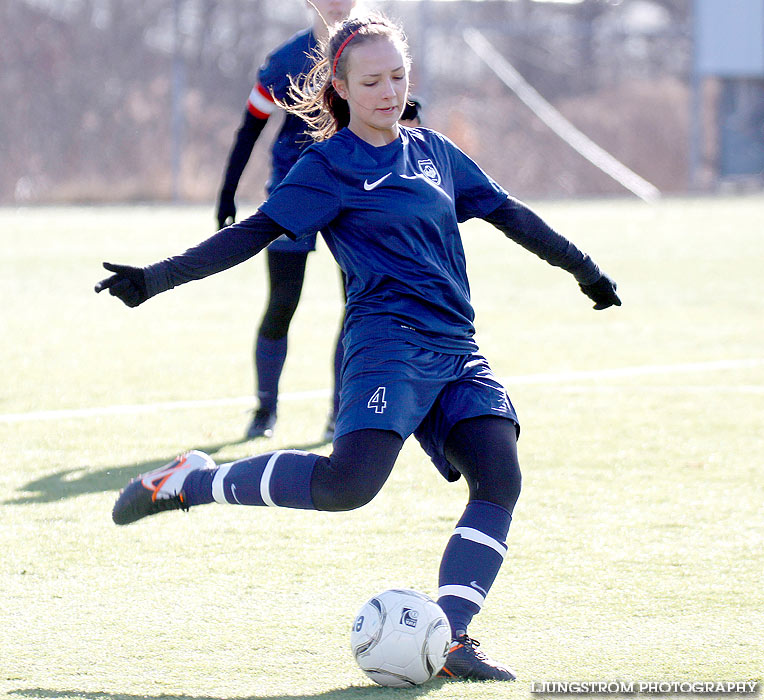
(562, 378)
(716, 389)
(638, 371)
(131, 409)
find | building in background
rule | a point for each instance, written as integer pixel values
(728, 93)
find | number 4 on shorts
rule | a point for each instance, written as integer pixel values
(377, 400)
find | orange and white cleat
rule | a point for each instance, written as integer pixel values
(158, 490)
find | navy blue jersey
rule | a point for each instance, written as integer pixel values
(290, 59)
(390, 217)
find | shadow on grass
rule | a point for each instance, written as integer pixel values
(336, 694)
(78, 481)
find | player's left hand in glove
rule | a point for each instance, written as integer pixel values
(127, 283)
(602, 293)
(226, 209)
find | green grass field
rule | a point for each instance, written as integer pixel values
(636, 547)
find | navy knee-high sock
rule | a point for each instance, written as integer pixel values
(269, 362)
(280, 478)
(472, 559)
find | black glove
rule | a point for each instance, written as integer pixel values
(127, 283)
(602, 292)
(226, 209)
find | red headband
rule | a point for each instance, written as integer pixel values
(340, 49)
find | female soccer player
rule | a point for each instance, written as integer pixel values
(286, 257)
(387, 200)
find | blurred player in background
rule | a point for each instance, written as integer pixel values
(388, 200)
(286, 258)
(412, 112)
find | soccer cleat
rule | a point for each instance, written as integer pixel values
(262, 424)
(330, 425)
(158, 490)
(465, 661)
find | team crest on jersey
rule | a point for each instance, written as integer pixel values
(429, 170)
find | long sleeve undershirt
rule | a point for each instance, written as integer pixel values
(241, 150)
(517, 222)
(228, 247)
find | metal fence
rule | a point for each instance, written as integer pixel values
(124, 100)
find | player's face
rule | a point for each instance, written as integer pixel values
(375, 89)
(334, 10)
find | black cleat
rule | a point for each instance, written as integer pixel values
(466, 662)
(158, 490)
(262, 424)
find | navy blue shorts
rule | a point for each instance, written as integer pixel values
(402, 387)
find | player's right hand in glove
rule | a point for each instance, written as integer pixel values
(226, 209)
(127, 283)
(602, 293)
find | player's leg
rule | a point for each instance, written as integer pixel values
(471, 431)
(386, 392)
(358, 467)
(483, 449)
(286, 272)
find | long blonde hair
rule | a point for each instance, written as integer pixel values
(313, 97)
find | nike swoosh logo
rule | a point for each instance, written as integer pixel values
(371, 185)
(478, 587)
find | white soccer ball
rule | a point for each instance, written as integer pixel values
(400, 638)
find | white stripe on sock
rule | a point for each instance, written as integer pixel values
(462, 592)
(218, 491)
(470, 533)
(265, 480)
